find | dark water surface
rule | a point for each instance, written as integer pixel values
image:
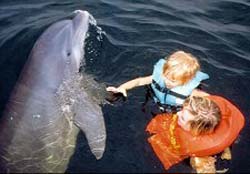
(134, 34)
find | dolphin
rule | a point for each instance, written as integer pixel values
(49, 104)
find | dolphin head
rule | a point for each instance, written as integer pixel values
(77, 33)
(59, 52)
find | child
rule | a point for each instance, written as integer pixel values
(205, 126)
(173, 80)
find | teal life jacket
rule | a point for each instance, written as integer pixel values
(174, 96)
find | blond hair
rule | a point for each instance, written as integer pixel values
(181, 66)
(207, 114)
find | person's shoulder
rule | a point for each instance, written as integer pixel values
(160, 62)
(229, 109)
(201, 76)
(224, 103)
(218, 99)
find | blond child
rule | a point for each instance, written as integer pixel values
(173, 80)
(204, 127)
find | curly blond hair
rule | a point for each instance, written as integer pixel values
(207, 114)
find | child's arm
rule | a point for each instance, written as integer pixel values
(140, 81)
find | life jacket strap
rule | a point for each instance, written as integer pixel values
(164, 108)
(169, 108)
(168, 91)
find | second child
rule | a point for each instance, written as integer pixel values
(173, 80)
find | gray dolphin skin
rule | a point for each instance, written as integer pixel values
(41, 121)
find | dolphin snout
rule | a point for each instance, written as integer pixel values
(81, 12)
(81, 20)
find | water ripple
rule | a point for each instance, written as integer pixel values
(138, 33)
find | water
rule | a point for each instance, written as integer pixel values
(133, 36)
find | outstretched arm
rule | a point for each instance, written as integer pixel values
(140, 81)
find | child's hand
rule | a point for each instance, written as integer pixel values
(117, 90)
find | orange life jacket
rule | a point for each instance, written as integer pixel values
(172, 144)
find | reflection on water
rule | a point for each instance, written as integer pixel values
(136, 35)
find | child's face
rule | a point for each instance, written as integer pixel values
(184, 116)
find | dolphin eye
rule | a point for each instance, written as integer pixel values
(69, 53)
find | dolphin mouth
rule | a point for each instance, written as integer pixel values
(81, 12)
